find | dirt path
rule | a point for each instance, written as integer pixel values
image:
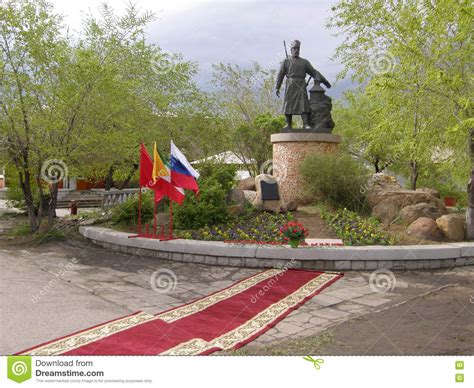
(317, 228)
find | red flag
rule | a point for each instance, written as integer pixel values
(158, 195)
(146, 167)
(164, 186)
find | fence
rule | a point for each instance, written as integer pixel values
(113, 197)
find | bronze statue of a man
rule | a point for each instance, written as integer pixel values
(296, 96)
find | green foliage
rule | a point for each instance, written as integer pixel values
(355, 230)
(259, 226)
(64, 97)
(210, 207)
(359, 119)
(250, 111)
(16, 198)
(20, 230)
(50, 235)
(336, 179)
(127, 212)
(414, 58)
(252, 140)
(441, 178)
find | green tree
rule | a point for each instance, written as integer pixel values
(35, 55)
(415, 56)
(249, 111)
(86, 102)
(359, 119)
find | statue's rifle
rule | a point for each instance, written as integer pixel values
(286, 54)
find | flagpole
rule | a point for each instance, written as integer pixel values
(154, 219)
(171, 219)
(140, 210)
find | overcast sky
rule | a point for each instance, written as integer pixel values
(230, 31)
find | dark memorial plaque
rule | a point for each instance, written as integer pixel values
(269, 191)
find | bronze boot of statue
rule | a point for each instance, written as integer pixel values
(289, 120)
(306, 121)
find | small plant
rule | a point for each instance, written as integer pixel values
(127, 212)
(260, 227)
(210, 207)
(355, 230)
(20, 230)
(294, 232)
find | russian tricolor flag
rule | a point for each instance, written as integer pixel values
(182, 173)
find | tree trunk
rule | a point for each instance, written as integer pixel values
(376, 165)
(109, 178)
(28, 195)
(130, 175)
(413, 175)
(52, 205)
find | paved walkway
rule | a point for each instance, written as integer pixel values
(55, 289)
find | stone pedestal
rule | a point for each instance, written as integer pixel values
(289, 150)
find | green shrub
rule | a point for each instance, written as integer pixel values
(336, 179)
(15, 197)
(20, 230)
(210, 206)
(127, 212)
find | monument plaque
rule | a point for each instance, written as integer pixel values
(269, 191)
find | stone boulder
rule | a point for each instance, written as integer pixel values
(236, 210)
(386, 212)
(425, 228)
(387, 198)
(247, 184)
(452, 226)
(383, 182)
(433, 192)
(411, 213)
(404, 198)
(236, 196)
(267, 205)
(249, 195)
(289, 206)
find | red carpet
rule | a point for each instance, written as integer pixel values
(224, 320)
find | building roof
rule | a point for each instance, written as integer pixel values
(227, 157)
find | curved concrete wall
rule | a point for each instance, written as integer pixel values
(261, 256)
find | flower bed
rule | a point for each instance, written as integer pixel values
(355, 230)
(264, 227)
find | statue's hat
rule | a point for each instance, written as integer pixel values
(295, 43)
